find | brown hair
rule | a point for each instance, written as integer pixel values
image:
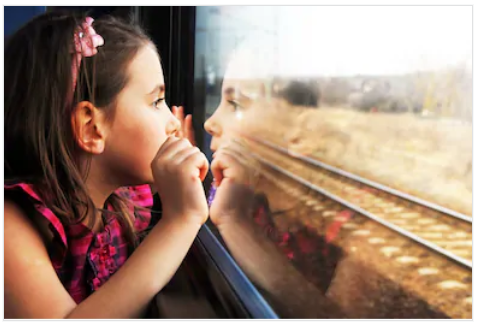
(39, 141)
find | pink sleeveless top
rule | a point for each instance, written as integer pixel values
(85, 260)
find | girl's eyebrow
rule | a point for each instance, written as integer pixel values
(229, 91)
(246, 95)
(158, 88)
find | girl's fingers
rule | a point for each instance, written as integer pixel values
(200, 161)
(230, 164)
(219, 165)
(180, 116)
(242, 153)
(166, 145)
(185, 153)
(174, 147)
(175, 111)
(181, 113)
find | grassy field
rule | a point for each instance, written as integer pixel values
(428, 158)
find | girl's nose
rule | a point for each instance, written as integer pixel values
(212, 127)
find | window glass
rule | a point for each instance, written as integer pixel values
(355, 124)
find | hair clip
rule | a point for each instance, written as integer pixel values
(86, 41)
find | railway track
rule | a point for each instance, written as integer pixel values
(430, 247)
(444, 231)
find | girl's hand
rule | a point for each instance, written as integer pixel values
(186, 129)
(178, 171)
(234, 198)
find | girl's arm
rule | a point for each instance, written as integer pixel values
(33, 290)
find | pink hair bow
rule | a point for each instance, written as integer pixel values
(86, 42)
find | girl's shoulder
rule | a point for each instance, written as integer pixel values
(27, 199)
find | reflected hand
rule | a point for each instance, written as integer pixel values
(234, 198)
(186, 129)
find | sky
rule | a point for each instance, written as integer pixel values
(345, 40)
(376, 39)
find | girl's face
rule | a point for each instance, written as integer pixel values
(244, 108)
(241, 108)
(141, 124)
(234, 106)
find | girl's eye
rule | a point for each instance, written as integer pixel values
(157, 101)
(236, 105)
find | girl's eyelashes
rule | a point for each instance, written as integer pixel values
(236, 106)
(156, 102)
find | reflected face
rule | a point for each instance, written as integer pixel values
(242, 100)
(235, 106)
(245, 108)
(247, 104)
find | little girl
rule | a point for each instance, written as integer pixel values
(87, 131)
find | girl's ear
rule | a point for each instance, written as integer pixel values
(89, 128)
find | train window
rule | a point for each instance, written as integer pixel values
(355, 127)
